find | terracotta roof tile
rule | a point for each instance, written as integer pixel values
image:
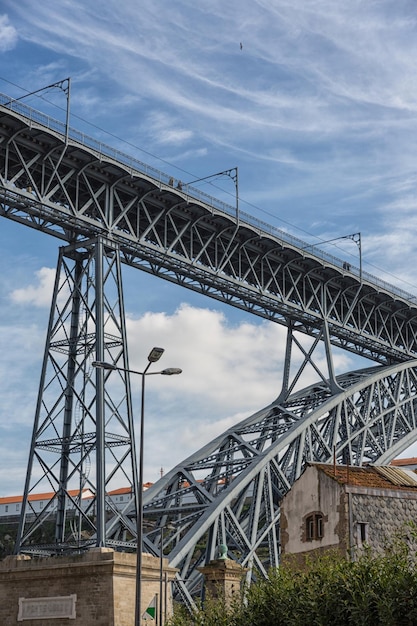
(120, 492)
(368, 476)
(35, 497)
(404, 462)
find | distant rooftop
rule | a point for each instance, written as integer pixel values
(410, 462)
(35, 497)
(399, 474)
(47, 496)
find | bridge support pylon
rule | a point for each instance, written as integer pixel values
(83, 444)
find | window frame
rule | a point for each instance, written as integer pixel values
(314, 526)
(362, 529)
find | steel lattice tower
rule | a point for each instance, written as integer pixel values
(83, 442)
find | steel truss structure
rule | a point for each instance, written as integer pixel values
(77, 188)
(110, 209)
(229, 491)
(83, 444)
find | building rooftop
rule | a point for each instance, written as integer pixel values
(410, 462)
(371, 476)
(377, 477)
(86, 493)
(35, 497)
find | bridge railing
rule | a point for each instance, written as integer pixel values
(138, 166)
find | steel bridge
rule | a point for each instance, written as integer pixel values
(109, 209)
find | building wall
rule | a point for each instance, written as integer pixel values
(353, 515)
(384, 516)
(11, 506)
(315, 493)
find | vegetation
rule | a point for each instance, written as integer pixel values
(215, 612)
(330, 590)
(7, 539)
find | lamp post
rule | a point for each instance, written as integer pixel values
(154, 355)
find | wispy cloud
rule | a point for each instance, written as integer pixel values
(8, 34)
(164, 129)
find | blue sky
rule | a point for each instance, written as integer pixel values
(318, 110)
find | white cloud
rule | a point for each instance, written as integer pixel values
(8, 34)
(40, 294)
(227, 366)
(229, 372)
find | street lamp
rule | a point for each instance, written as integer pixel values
(154, 355)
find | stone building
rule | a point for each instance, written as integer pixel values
(343, 508)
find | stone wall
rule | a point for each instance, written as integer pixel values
(98, 587)
(223, 579)
(384, 516)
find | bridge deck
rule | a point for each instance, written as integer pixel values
(78, 189)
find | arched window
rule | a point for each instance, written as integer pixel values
(314, 526)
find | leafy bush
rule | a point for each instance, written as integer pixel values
(373, 590)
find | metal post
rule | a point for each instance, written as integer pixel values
(68, 409)
(161, 557)
(154, 355)
(139, 512)
(100, 428)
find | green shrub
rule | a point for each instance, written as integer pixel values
(373, 590)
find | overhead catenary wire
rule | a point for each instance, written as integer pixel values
(206, 179)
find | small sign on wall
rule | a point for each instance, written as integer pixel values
(56, 607)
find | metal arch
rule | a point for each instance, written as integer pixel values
(229, 491)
